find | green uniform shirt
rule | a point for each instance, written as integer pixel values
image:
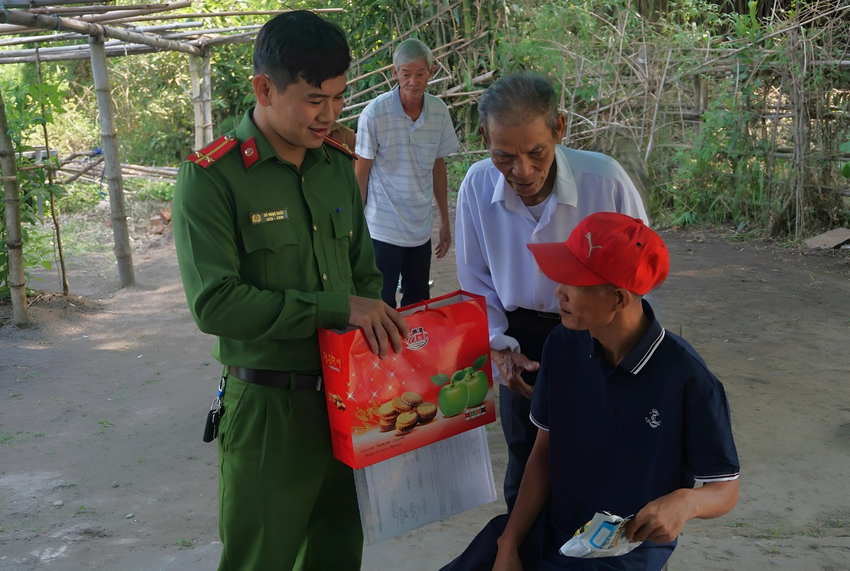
(269, 254)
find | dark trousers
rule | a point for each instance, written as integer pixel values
(414, 266)
(539, 551)
(531, 330)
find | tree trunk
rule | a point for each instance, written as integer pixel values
(14, 240)
(109, 143)
(206, 96)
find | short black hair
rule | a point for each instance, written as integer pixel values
(300, 45)
(519, 98)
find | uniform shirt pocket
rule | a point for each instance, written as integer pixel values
(270, 255)
(343, 235)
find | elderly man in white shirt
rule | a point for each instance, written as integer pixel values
(530, 190)
(402, 137)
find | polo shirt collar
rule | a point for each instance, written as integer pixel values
(398, 110)
(645, 348)
(565, 191)
(248, 129)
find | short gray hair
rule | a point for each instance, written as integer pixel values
(519, 98)
(412, 50)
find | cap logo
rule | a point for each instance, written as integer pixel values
(590, 244)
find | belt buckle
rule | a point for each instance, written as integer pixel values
(319, 383)
(546, 315)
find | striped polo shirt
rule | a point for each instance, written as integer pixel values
(401, 181)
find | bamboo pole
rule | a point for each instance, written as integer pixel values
(206, 96)
(108, 17)
(34, 3)
(14, 237)
(51, 23)
(75, 36)
(111, 52)
(109, 144)
(222, 14)
(197, 106)
(63, 274)
(658, 95)
(568, 135)
(243, 38)
(84, 170)
(86, 10)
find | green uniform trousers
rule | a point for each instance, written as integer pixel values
(285, 503)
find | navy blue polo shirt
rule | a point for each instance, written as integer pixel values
(623, 436)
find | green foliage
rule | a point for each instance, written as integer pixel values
(24, 104)
(150, 190)
(456, 168)
(607, 58)
(845, 170)
(723, 178)
(82, 197)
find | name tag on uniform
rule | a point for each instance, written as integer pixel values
(269, 216)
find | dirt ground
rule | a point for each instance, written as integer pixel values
(102, 404)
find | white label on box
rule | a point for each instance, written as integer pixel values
(425, 485)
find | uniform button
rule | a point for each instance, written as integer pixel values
(540, 306)
(351, 232)
(315, 228)
(325, 277)
(302, 179)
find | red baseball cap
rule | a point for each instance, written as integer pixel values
(607, 248)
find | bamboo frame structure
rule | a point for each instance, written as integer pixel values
(107, 17)
(56, 23)
(44, 15)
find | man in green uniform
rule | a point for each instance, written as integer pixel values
(272, 245)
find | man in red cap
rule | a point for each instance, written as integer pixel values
(629, 417)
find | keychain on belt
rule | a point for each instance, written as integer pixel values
(216, 412)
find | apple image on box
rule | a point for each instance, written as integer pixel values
(465, 388)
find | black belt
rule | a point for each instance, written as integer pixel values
(277, 379)
(522, 312)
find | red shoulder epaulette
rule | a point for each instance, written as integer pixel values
(341, 147)
(214, 151)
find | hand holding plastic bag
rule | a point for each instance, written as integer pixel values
(603, 536)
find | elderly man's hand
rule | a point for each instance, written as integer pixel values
(445, 239)
(507, 560)
(661, 520)
(511, 365)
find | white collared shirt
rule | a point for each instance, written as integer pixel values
(401, 179)
(493, 227)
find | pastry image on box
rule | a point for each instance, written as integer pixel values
(438, 386)
(426, 411)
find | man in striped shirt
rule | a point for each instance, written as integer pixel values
(402, 139)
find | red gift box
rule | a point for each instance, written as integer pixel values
(440, 385)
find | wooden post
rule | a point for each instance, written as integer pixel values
(109, 143)
(196, 103)
(14, 237)
(206, 96)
